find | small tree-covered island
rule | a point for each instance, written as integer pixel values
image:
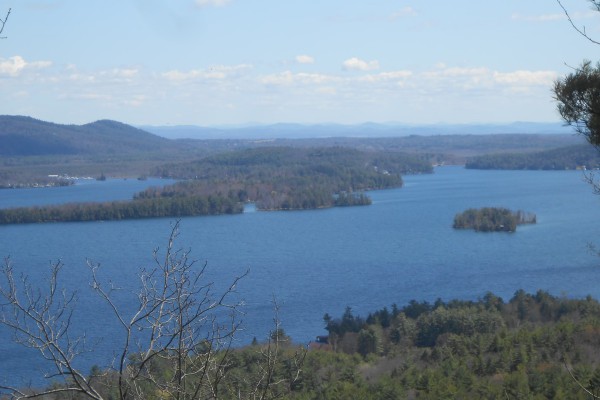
(492, 219)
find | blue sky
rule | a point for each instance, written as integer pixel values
(219, 62)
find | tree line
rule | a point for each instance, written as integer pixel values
(489, 219)
(571, 157)
(278, 178)
(533, 346)
(285, 178)
(120, 210)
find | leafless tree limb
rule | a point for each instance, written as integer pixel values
(3, 23)
(177, 342)
(590, 178)
(579, 30)
(178, 325)
(41, 320)
(274, 359)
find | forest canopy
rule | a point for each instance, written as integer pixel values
(278, 178)
(285, 178)
(564, 158)
(534, 346)
(492, 219)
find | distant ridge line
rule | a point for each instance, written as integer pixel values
(364, 130)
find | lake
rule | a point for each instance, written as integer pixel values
(402, 247)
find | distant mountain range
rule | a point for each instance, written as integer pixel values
(301, 131)
(26, 136)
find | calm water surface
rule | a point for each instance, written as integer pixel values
(402, 247)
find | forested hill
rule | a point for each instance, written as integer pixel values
(32, 150)
(26, 136)
(570, 157)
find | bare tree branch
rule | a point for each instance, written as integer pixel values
(581, 31)
(3, 23)
(176, 342)
(42, 321)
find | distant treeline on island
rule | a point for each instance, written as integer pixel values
(492, 219)
(571, 157)
(273, 178)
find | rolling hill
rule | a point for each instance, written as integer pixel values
(26, 136)
(31, 150)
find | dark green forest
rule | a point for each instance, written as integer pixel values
(118, 210)
(25, 136)
(492, 219)
(32, 149)
(276, 178)
(572, 157)
(285, 178)
(534, 346)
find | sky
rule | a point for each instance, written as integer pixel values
(232, 62)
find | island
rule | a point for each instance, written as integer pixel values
(273, 178)
(492, 219)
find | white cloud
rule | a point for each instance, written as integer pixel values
(481, 80)
(86, 96)
(356, 64)
(445, 78)
(526, 78)
(21, 94)
(405, 12)
(175, 75)
(538, 18)
(13, 66)
(576, 15)
(328, 90)
(469, 72)
(387, 76)
(212, 3)
(217, 72)
(136, 101)
(113, 75)
(304, 59)
(288, 78)
(133, 91)
(125, 72)
(39, 64)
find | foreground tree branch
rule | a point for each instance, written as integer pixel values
(3, 23)
(578, 98)
(176, 342)
(581, 31)
(41, 320)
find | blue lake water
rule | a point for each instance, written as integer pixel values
(402, 247)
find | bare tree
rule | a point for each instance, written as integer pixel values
(278, 371)
(581, 30)
(3, 23)
(42, 321)
(176, 344)
(178, 324)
